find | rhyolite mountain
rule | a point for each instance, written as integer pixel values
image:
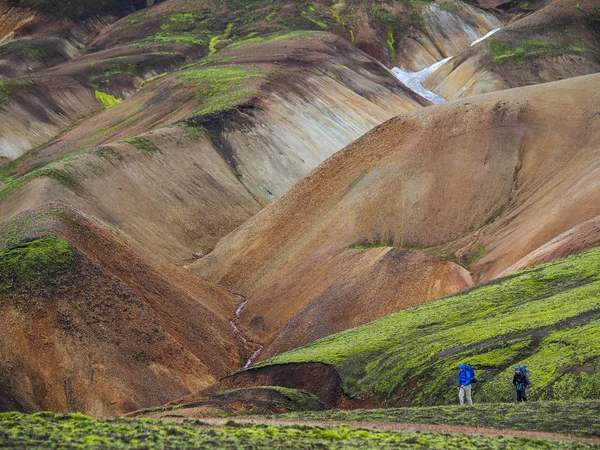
(185, 185)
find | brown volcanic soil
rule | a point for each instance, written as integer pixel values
(483, 182)
(578, 239)
(122, 331)
(349, 289)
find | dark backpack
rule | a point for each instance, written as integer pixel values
(471, 371)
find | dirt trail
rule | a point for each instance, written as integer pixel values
(413, 427)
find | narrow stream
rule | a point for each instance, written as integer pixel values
(237, 331)
(413, 80)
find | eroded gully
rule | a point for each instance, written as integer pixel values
(237, 332)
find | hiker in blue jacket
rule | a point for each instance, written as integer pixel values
(464, 385)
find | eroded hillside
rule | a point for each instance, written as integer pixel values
(545, 318)
(552, 41)
(92, 324)
(140, 139)
(479, 184)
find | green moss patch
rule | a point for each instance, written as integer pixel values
(547, 318)
(107, 100)
(502, 52)
(47, 430)
(220, 88)
(39, 262)
(11, 184)
(572, 417)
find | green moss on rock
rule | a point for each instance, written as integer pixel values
(107, 100)
(221, 87)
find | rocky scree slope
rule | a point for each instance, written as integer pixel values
(393, 220)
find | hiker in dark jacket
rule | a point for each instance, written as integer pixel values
(464, 385)
(520, 381)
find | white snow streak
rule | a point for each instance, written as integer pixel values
(476, 41)
(413, 80)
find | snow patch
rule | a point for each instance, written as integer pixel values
(413, 80)
(476, 41)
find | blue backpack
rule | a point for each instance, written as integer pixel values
(523, 370)
(471, 371)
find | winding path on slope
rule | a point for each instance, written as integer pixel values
(408, 427)
(236, 330)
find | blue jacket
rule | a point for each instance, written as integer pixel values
(464, 378)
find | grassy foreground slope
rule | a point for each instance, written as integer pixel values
(47, 430)
(573, 417)
(546, 317)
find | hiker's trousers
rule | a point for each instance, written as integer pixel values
(465, 391)
(521, 396)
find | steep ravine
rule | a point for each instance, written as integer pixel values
(414, 80)
(446, 30)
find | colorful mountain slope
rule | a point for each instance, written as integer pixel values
(91, 324)
(481, 183)
(554, 40)
(546, 318)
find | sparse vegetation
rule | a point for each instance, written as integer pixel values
(15, 183)
(301, 400)
(367, 245)
(546, 318)
(502, 52)
(49, 430)
(593, 15)
(275, 37)
(9, 87)
(154, 78)
(143, 145)
(573, 417)
(478, 255)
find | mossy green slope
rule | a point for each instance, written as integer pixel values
(47, 430)
(547, 318)
(572, 417)
(30, 255)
